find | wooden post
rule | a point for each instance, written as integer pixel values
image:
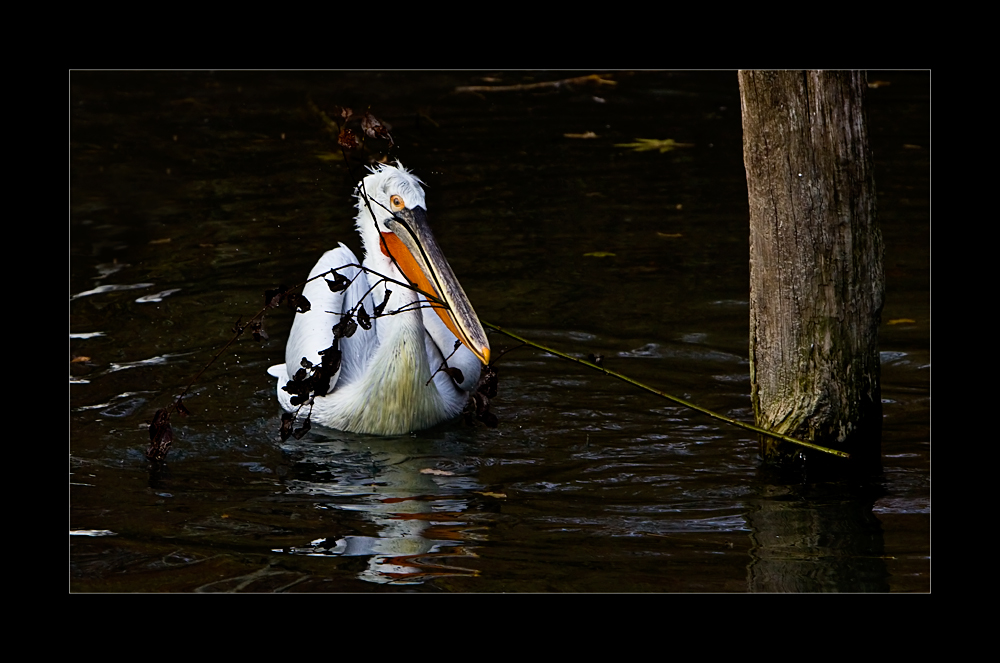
(816, 280)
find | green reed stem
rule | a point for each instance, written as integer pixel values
(679, 401)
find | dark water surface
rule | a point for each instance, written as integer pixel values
(193, 193)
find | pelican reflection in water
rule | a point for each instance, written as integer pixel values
(388, 381)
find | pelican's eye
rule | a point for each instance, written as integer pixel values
(396, 203)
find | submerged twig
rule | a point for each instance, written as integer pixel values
(679, 401)
(535, 86)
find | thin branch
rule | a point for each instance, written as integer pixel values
(536, 86)
(625, 378)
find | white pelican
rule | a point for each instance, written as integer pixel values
(388, 381)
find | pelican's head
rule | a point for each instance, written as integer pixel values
(389, 189)
(392, 220)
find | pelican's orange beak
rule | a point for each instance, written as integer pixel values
(416, 252)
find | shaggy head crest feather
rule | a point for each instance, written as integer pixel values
(386, 180)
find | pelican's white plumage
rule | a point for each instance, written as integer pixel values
(382, 386)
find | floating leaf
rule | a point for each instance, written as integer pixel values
(589, 134)
(648, 144)
(901, 321)
(157, 297)
(437, 473)
(599, 254)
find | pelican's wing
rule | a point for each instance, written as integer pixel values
(357, 349)
(312, 331)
